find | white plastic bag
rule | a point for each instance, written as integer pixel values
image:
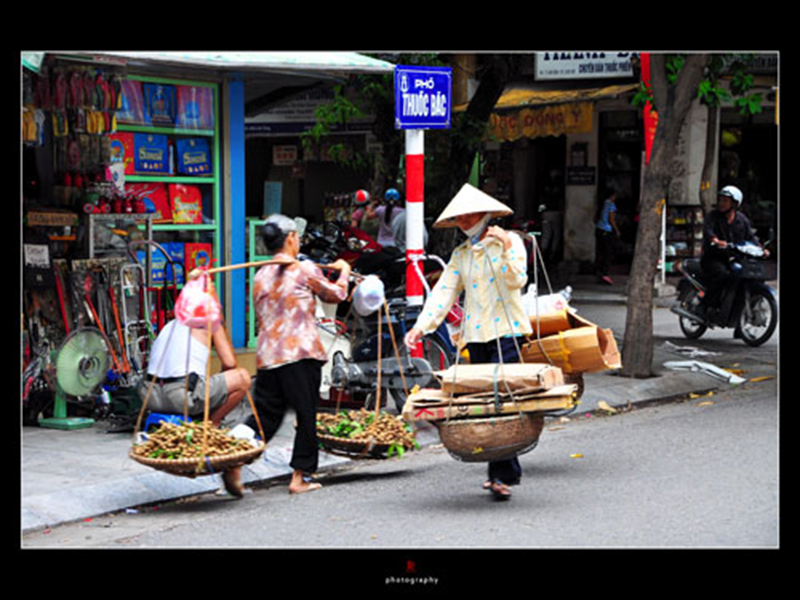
(549, 303)
(369, 296)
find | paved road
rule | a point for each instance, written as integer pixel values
(698, 473)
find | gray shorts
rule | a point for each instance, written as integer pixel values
(168, 398)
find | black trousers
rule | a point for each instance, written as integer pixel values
(507, 471)
(605, 251)
(295, 385)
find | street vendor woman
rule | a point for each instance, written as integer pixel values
(289, 353)
(490, 267)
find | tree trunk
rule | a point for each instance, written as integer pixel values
(497, 70)
(708, 195)
(673, 104)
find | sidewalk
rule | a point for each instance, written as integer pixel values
(72, 475)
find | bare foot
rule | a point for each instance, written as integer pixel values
(232, 479)
(299, 485)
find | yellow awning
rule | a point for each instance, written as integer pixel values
(520, 97)
(525, 112)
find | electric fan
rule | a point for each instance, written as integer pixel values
(81, 365)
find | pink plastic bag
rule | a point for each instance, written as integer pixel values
(197, 304)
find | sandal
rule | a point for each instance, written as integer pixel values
(500, 490)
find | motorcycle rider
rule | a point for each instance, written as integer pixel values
(724, 226)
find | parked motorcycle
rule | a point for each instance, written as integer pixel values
(753, 308)
(350, 378)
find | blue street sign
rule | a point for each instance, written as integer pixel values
(422, 97)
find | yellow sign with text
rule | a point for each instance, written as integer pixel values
(558, 119)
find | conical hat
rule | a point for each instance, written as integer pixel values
(469, 200)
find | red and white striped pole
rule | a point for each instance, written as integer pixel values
(415, 221)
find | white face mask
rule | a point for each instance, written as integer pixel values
(474, 232)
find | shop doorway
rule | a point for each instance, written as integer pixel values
(749, 160)
(620, 162)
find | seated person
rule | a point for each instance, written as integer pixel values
(177, 363)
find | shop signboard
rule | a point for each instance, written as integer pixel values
(422, 97)
(583, 65)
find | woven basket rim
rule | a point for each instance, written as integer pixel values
(186, 465)
(481, 420)
(361, 443)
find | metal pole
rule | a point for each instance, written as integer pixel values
(415, 195)
(415, 212)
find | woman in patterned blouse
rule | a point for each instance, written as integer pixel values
(289, 354)
(490, 267)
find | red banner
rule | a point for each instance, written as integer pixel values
(650, 116)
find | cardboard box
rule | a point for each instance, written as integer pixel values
(573, 343)
(581, 350)
(470, 378)
(194, 157)
(151, 153)
(437, 405)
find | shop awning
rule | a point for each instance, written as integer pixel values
(521, 97)
(532, 113)
(286, 62)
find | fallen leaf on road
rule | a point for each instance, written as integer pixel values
(576, 455)
(605, 406)
(694, 395)
(706, 403)
(764, 378)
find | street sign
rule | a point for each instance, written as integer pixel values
(422, 97)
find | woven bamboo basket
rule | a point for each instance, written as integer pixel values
(197, 467)
(491, 439)
(352, 448)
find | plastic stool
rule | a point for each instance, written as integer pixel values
(156, 418)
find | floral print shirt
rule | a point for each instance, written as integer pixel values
(285, 307)
(491, 277)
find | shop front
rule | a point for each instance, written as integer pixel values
(553, 154)
(134, 173)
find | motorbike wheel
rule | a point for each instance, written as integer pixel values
(757, 321)
(691, 329)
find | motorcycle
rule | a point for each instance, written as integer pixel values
(352, 340)
(350, 377)
(746, 302)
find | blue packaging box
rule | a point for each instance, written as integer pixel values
(151, 153)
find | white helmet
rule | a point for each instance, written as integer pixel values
(732, 192)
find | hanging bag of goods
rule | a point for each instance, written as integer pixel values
(197, 305)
